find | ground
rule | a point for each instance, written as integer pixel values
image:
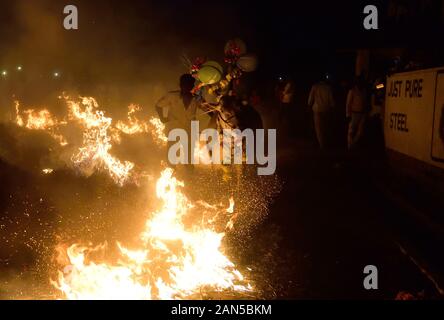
(336, 219)
(332, 217)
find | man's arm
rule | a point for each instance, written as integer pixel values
(162, 109)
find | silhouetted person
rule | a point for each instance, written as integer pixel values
(322, 101)
(356, 111)
(287, 113)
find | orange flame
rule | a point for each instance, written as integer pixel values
(40, 120)
(176, 258)
(95, 152)
(134, 125)
(98, 136)
(174, 262)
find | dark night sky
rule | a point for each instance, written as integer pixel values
(271, 26)
(134, 39)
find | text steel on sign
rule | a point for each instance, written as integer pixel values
(413, 115)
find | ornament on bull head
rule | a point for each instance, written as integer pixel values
(210, 73)
(238, 59)
(207, 73)
(233, 50)
(197, 64)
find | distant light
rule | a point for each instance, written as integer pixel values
(19, 68)
(280, 78)
(56, 74)
(4, 73)
(380, 86)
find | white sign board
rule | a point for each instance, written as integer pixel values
(438, 121)
(413, 115)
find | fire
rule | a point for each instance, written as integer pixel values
(158, 131)
(47, 171)
(18, 118)
(179, 253)
(201, 152)
(230, 209)
(97, 142)
(99, 134)
(88, 281)
(230, 224)
(175, 260)
(40, 120)
(134, 125)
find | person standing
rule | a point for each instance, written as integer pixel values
(322, 102)
(288, 120)
(178, 108)
(356, 111)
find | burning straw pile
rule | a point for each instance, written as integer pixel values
(178, 255)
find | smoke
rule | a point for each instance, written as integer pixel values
(120, 57)
(121, 54)
(117, 56)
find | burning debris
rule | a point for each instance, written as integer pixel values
(174, 260)
(180, 253)
(99, 134)
(40, 120)
(47, 171)
(97, 142)
(136, 126)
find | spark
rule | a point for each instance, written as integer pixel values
(47, 171)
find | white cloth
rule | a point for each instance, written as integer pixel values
(320, 124)
(173, 109)
(355, 101)
(356, 128)
(321, 97)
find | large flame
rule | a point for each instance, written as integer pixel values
(40, 120)
(158, 130)
(180, 252)
(175, 260)
(99, 134)
(97, 141)
(134, 125)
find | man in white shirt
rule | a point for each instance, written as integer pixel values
(322, 102)
(356, 109)
(178, 108)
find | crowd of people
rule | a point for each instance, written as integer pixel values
(327, 102)
(251, 107)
